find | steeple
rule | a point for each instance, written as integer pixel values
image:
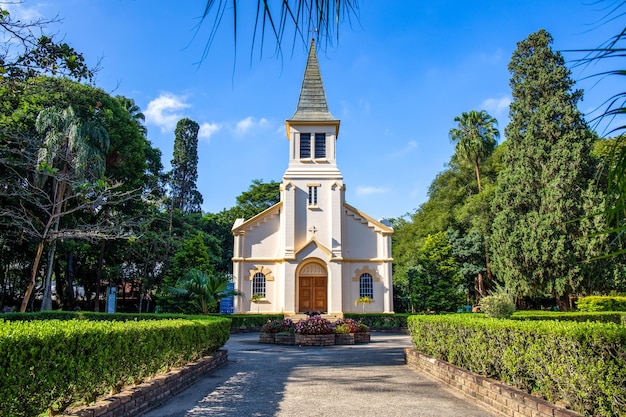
(312, 104)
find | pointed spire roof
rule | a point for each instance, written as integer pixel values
(312, 104)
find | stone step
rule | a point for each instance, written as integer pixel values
(297, 317)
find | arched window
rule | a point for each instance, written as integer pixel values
(258, 284)
(366, 286)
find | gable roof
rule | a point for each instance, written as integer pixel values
(368, 220)
(242, 224)
(312, 104)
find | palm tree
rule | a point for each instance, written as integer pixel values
(302, 19)
(476, 137)
(73, 150)
(205, 290)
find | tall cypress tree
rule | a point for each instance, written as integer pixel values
(184, 174)
(549, 169)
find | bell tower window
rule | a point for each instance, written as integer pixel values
(320, 145)
(312, 195)
(305, 145)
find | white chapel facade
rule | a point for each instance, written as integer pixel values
(312, 251)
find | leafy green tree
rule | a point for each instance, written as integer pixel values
(25, 55)
(548, 170)
(184, 173)
(434, 283)
(68, 145)
(476, 137)
(132, 165)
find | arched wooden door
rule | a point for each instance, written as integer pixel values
(313, 288)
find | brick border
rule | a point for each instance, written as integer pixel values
(492, 395)
(143, 397)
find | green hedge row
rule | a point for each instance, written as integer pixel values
(601, 303)
(600, 316)
(380, 321)
(239, 321)
(251, 321)
(580, 364)
(52, 364)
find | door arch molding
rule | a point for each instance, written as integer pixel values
(312, 286)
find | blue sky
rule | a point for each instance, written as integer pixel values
(397, 78)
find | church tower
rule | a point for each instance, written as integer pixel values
(312, 252)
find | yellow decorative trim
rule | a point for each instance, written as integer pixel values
(366, 270)
(314, 184)
(263, 270)
(333, 123)
(318, 244)
(386, 230)
(239, 227)
(286, 186)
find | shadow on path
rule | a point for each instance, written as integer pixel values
(347, 380)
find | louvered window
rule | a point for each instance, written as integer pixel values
(320, 145)
(305, 145)
(312, 196)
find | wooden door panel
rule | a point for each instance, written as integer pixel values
(306, 291)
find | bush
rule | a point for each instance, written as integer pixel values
(580, 364)
(278, 326)
(601, 303)
(601, 316)
(52, 364)
(350, 326)
(381, 321)
(497, 306)
(315, 325)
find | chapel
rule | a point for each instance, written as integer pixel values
(312, 252)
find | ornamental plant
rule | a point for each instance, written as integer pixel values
(315, 325)
(350, 326)
(278, 326)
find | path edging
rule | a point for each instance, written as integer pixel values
(491, 394)
(141, 398)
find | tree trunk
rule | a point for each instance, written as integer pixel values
(46, 302)
(96, 306)
(33, 277)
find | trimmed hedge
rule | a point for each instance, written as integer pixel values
(377, 321)
(52, 364)
(601, 303)
(600, 316)
(580, 364)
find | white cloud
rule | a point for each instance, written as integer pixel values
(497, 107)
(408, 148)
(243, 126)
(362, 190)
(20, 12)
(163, 111)
(207, 130)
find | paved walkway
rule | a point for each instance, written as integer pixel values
(344, 381)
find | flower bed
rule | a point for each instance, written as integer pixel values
(314, 331)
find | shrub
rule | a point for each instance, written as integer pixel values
(601, 303)
(381, 320)
(350, 326)
(497, 306)
(50, 365)
(278, 326)
(315, 325)
(580, 364)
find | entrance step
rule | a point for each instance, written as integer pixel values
(297, 317)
